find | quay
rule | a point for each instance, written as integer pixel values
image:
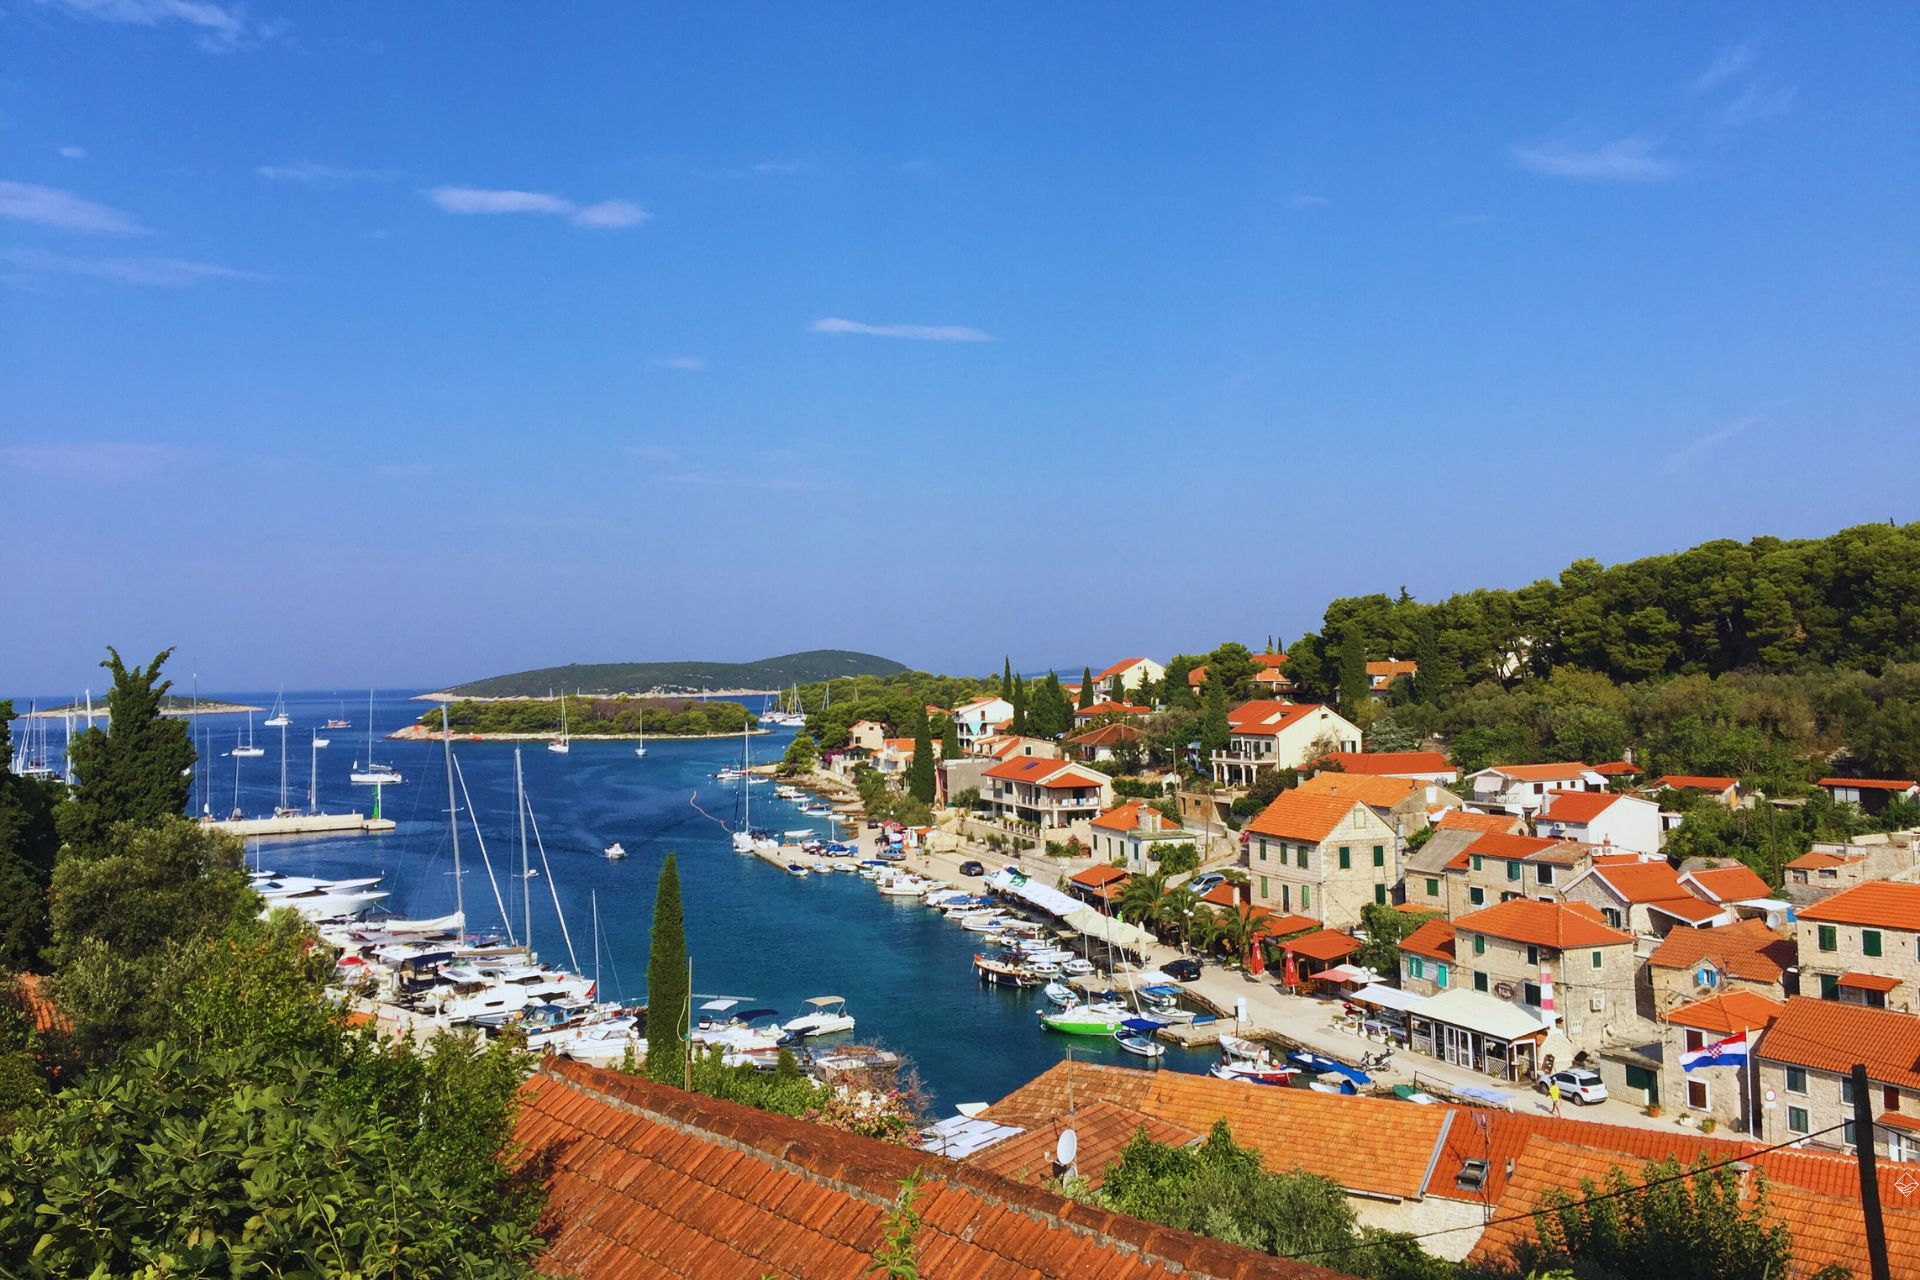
(303, 824)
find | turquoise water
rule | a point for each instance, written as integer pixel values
(753, 931)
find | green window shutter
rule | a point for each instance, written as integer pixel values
(1476, 862)
(1479, 944)
(1829, 986)
(1596, 960)
(1306, 898)
(1346, 857)
(1380, 895)
(1870, 942)
(1829, 938)
(1263, 888)
(1479, 982)
(1416, 968)
(1379, 856)
(1300, 856)
(1433, 887)
(1797, 1120)
(1796, 1079)
(1513, 871)
(1440, 975)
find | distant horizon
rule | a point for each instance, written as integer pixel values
(351, 341)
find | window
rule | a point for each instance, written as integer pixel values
(1263, 849)
(1846, 1091)
(1440, 975)
(1433, 887)
(1479, 944)
(1829, 938)
(1380, 895)
(1695, 1040)
(1477, 896)
(1475, 859)
(1346, 857)
(1379, 856)
(1479, 981)
(1598, 960)
(1513, 870)
(1705, 976)
(1697, 1094)
(1847, 1134)
(1797, 1120)
(1611, 915)
(1889, 1098)
(1416, 967)
(1264, 891)
(1829, 986)
(1875, 999)
(1869, 942)
(1543, 874)
(1300, 856)
(1533, 954)
(1796, 1079)
(1531, 994)
(1306, 898)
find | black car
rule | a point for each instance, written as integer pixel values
(972, 868)
(1181, 970)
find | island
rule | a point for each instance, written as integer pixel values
(171, 704)
(528, 719)
(768, 675)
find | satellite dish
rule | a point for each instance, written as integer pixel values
(1066, 1149)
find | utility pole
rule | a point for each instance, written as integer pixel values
(1869, 1176)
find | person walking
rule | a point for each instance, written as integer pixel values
(1553, 1097)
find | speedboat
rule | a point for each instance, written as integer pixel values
(1060, 993)
(795, 869)
(825, 1015)
(614, 852)
(1135, 1035)
(1076, 967)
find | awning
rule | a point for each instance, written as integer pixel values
(1049, 900)
(1479, 1012)
(1087, 921)
(1868, 982)
(1386, 997)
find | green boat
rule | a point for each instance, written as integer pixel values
(1085, 1020)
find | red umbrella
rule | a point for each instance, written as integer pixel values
(1291, 974)
(1257, 962)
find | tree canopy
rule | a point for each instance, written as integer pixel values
(138, 769)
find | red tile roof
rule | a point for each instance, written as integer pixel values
(1726, 1014)
(1125, 664)
(1043, 772)
(1817, 860)
(1541, 772)
(1099, 877)
(1473, 820)
(1886, 904)
(1387, 762)
(645, 1180)
(1101, 1131)
(1368, 789)
(1830, 1036)
(1107, 735)
(1328, 944)
(1543, 924)
(1105, 707)
(1617, 769)
(1578, 806)
(1372, 1146)
(1135, 814)
(1695, 911)
(1641, 882)
(1746, 949)
(1297, 816)
(1694, 782)
(1728, 884)
(1282, 716)
(1500, 1136)
(1868, 981)
(1872, 784)
(1270, 661)
(1391, 670)
(1498, 844)
(1434, 939)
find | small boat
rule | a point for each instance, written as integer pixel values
(322, 742)
(799, 833)
(1100, 1019)
(1320, 1066)
(278, 719)
(1076, 967)
(564, 743)
(614, 852)
(248, 751)
(1249, 1062)
(372, 774)
(1060, 994)
(1002, 974)
(795, 869)
(1407, 1093)
(1135, 1035)
(825, 1016)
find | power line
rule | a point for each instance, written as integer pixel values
(1689, 1172)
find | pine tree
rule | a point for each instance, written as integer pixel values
(920, 780)
(139, 770)
(1019, 705)
(1006, 678)
(669, 994)
(1086, 687)
(1353, 672)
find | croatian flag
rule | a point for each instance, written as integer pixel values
(1731, 1052)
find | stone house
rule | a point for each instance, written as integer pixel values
(1426, 958)
(1692, 964)
(1726, 1094)
(1871, 794)
(1402, 803)
(1805, 1059)
(1862, 946)
(1321, 856)
(1644, 898)
(1510, 950)
(1832, 866)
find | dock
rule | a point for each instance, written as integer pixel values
(304, 824)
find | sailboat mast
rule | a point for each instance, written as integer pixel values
(313, 771)
(596, 943)
(283, 763)
(526, 885)
(746, 779)
(453, 818)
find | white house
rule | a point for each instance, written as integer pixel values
(1600, 817)
(1126, 832)
(976, 719)
(1279, 735)
(1047, 793)
(867, 735)
(1128, 673)
(1523, 788)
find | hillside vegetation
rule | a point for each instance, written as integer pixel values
(681, 677)
(595, 717)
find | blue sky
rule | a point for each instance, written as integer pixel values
(406, 343)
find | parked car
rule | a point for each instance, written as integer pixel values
(1181, 970)
(972, 868)
(1202, 883)
(873, 824)
(1578, 1085)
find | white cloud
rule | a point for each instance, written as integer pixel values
(174, 273)
(605, 214)
(220, 28)
(51, 207)
(1634, 159)
(1729, 63)
(1757, 103)
(686, 364)
(74, 153)
(915, 332)
(1304, 201)
(96, 462)
(1710, 441)
(313, 173)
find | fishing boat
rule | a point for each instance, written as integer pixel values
(795, 869)
(248, 751)
(372, 774)
(825, 1016)
(1098, 1019)
(1060, 993)
(562, 744)
(1002, 973)
(1135, 1035)
(614, 852)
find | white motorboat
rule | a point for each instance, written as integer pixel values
(795, 869)
(602, 1044)
(452, 924)
(1060, 993)
(742, 842)
(614, 852)
(825, 1016)
(798, 834)
(1077, 967)
(1135, 1035)
(901, 888)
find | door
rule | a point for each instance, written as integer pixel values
(1458, 1046)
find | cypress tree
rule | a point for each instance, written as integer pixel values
(1019, 705)
(920, 773)
(1086, 687)
(950, 740)
(139, 770)
(1353, 672)
(669, 995)
(1006, 678)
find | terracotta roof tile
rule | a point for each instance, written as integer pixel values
(1099, 877)
(1871, 784)
(1268, 724)
(1541, 772)
(1434, 939)
(1369, 789)
(643, 1180)
(1694, 782)
(1868, 981)
(1386, 762)
(1728, 884)
(1830, 1036)
(1498, 844)
(1617, 769)
(1746, 949)
(1728, 1013)
(1818, 861)
(1546, 924)
(46, 1017)
(1578, 806)
(1101, 1130)
(1328, 944)
(1297, 816)
(1473, 820)
(1641, 882)
(1887, 904)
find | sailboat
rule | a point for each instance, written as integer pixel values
(563, 744)
(370, 773)
(743, 841)
(248, 751)
(640, 732)
(341, 721)
(278, 720)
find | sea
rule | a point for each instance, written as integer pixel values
(753, 932)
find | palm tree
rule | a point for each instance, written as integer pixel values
(1237, 930)
(1208, 929)
(1176, 910)
(1141, 897)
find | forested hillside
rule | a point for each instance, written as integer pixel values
(681, 677)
